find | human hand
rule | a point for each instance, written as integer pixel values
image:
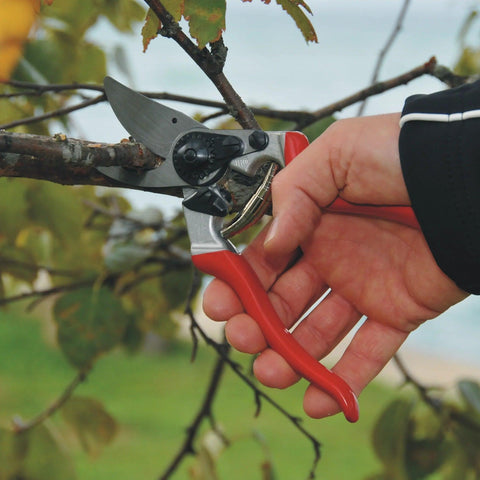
(375, 268)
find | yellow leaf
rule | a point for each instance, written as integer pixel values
(16, 20)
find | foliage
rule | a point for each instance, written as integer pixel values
(206, 19)
(60, 52)
(415, 440)
(468, 62)
(16, 20)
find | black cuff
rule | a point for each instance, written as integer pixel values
(441, 167)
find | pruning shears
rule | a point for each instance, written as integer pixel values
(198, 160)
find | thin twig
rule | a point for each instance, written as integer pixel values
(439, 408)
(261, 395)
(37, 267)
(55, 113)
(40, 88)
(47, 292)
(20, 426)
(380, 87)
(208, 62)
(204, 412)
(205, 409)
(383, 52)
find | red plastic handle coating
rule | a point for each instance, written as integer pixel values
(295, 142)
(234, 270)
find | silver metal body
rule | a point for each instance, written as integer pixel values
(159, 128)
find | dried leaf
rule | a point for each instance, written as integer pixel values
(45, 459)
(92, 424)
(150, 28)
(13, 448)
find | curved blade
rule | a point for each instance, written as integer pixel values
(149, 122)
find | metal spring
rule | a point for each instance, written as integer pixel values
(255, 208)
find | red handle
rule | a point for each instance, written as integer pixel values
(236, 272)
(295, 142)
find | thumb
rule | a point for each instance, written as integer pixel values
(298, 193)
(295, 218)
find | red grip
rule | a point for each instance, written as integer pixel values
(236, 272)
(399, 214)
(296, 142)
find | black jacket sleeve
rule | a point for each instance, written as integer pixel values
(440, 156)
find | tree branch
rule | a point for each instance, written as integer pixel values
(55, 113)
(259, 394)
(208, 62)
(442, 409)
(204, 412)
(383, 52)
(380, 87)
(69, 161)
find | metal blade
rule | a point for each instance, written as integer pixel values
(149, 122)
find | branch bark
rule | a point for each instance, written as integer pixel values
(69, 161)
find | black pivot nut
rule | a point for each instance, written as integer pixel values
(203, 157)
(258, 140)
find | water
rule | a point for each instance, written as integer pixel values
(270, 64)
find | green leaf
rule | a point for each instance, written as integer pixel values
(175, 8)
(58, 209)
(175, 286)
(206, 19)
(92, 424)
(74, 16)
(46, 459)
(13, 207)
(122, 14)
(151, 311)
(390, 436)
(294, 9)
(18, 262)
(122, 257)
(91, 64)
(469, 62)
(13, 448)
(316, 129)
(425, 456)
(470, 392)
(90, 322)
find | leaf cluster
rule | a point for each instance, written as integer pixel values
(416, 441)
(468, 61)
(206, 19)
(40, 454)
(61, 52)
